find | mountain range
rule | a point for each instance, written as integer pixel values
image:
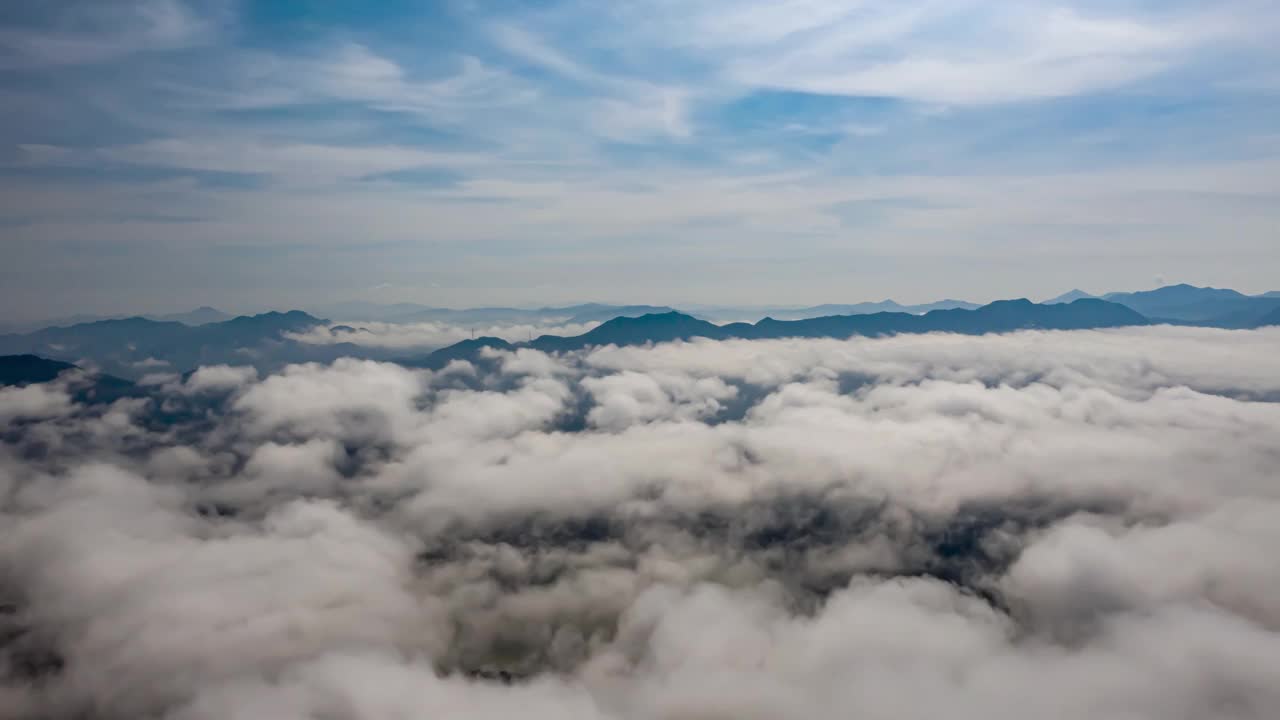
(1187, 304)
(200, 316)
(729, 314)
(136, 347)
(1191, 305)
(412, 312)
(1176, 304)
(1000, 316)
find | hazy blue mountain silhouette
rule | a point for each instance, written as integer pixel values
(1069, 296)
(199, 316)
(363, 310)
(256, 328)
(203, 315)
(595, 312)
(814, 311)
(655, 327)
(868, 308)
(471, 316)
(132, 347)
(1271, 318)
(1002, 316)
(410, 312)
(1188, 304)
(947, 304)
(468, 350)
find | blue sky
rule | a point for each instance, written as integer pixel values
(161, 154)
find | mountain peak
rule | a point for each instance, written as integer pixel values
(1010, 303)
(652, 317)
(27, 368)
(652, 327)
(275, 317)
(1068, 297)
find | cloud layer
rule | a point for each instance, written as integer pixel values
(1057, 524)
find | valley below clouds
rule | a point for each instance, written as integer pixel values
(1049, 524)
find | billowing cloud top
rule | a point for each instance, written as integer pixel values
(1048, 524)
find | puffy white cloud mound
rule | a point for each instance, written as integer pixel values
(1043, 524)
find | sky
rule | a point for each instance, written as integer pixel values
(157, 155)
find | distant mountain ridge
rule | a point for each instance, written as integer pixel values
(590, 312)
(132, 347)
(599, 312)
(804, 313)
(1191, 305)
(412, 312)
(1176, 303)
(200, 316)
(1069, 296)
(1000, 316)
(137, 347)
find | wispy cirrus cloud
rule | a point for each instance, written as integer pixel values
(73, 33)
(709, 132)
(619, 107)
(937, 52)
(358, 74)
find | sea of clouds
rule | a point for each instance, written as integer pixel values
(1039, 524)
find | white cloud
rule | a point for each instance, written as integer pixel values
(92, 33)
(539, 102)
(298, 163)
(936, 52)
(625, 109)
(630, 398)
(526, 45)
(1072, 524)
(358, 73)
(351, 399)
(220, 378)
(33, 402)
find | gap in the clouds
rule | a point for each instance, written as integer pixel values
(804, 544)
(1158, 122)
(282, 25)
(778, 110)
